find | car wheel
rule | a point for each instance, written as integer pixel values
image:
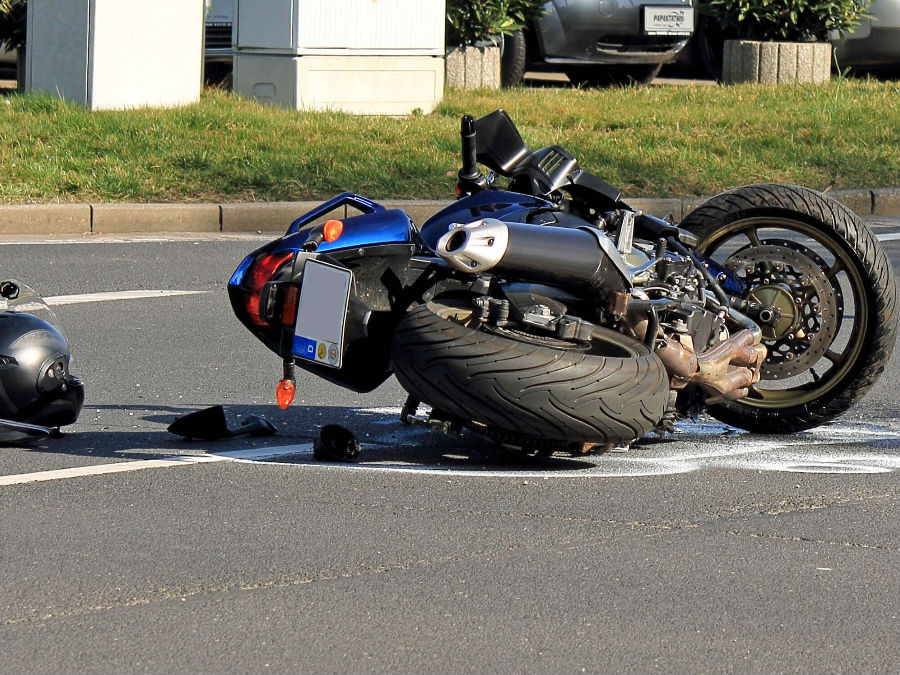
(512, 59)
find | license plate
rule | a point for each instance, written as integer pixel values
(322, 313)
(668, 20)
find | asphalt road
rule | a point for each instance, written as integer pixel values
(133, 551)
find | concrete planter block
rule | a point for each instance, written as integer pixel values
(776, 62)
(473, 67)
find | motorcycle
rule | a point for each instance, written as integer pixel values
(38, 394)
(543, 311)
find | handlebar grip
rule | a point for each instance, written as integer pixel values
(469, 168)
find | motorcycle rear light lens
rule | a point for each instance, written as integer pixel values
(264, 268)
(251, 306)
(332, 230)
(289, 306)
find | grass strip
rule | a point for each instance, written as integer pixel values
(647, 141)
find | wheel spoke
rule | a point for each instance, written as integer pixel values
(752, 235)
(835, 269)
(836, 358)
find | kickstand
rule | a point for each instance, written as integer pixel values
(408, 412)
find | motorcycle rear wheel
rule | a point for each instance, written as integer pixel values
(526, 389)
(811, 258)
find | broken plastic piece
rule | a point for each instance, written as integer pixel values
(209, 425)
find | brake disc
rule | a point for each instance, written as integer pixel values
(801, 308)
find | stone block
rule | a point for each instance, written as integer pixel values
(156, 218)
(262, 216)
(886, 201)
(858, 201)
(31, 219)
(473, 67)
(776, 62)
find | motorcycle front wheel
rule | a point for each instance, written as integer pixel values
(527, 389)
(821, 288)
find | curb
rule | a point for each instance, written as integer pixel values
(84, 219)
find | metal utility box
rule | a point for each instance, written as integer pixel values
(360, 56)
(113, 54)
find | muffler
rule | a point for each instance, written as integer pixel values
(561, 256)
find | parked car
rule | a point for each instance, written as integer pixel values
(599, 42)
(218, 51)
(875, 43)
(7, 64)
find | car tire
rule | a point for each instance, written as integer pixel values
(513, 59)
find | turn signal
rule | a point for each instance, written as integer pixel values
(332, 230)
(284, 393)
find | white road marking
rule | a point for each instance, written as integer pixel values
(140, 238)
(891, 236)
(79, 298)
(811, 452)
(249, 454)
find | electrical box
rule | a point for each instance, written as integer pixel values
(112, 54)
(360, 56)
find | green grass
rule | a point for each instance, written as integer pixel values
(651, 141)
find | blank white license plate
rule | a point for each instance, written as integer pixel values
(668, 20)
(322, 312)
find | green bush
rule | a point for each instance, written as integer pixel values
(478, 21)
(12, 23)
(785, 20)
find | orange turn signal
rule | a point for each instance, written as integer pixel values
(332, 230)
(284, 393)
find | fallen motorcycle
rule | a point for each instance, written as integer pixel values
(548, 314)
(38, 394)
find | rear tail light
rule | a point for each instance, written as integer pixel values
(260, 272)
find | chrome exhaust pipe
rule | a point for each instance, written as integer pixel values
(564, 256)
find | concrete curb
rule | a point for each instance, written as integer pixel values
(80, 219)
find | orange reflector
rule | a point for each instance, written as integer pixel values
(284, 393)
(332, 230)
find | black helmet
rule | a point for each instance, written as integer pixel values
(35, 384)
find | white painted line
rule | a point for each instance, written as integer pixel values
(247, 454)
(100, 469)
(141, 238)
(891, 236)
(720, 447)
(79, 298)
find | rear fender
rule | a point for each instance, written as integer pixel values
(375, 226)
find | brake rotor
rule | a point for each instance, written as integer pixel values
(800, 308)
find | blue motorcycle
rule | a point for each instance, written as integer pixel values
(543, 311)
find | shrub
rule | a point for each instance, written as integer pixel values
(785, 20)
(478, 21)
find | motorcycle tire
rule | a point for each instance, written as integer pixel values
(813, 258)
(529, 390)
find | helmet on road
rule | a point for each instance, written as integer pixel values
(35, 384)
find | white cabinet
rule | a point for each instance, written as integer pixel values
(116, 54)
(360, 56)
(414, 27)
